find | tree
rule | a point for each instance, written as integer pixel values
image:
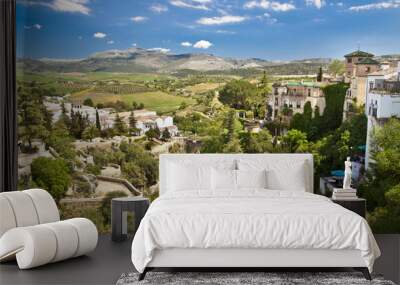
(257, 142)
(51, 175)
(90, 133)
(336, 67)
(240, 94)
(176, 148)
(78, 123)
(165, 134)
(265, 90)
(32, 115)
(88, 102)
(138, 165)
(333, 113)
(60, 140)
(303, 121)
(233, 146)
(381, 187)
(213, 144)
(295, 141)
(308, 116)
(64, 117)
(98, 124)
(183, 105)
(315, 125)
(320, 75)
(153, 133)
(230, 125)
(119, 125)
(133, 130)
(135, 174)
(298, 122)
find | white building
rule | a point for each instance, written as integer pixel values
(382, 101)
(147, 120)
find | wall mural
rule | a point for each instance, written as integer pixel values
(104, 87)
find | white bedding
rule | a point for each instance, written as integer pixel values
(252, 218)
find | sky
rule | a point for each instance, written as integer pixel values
(272, 30)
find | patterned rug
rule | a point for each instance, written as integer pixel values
(244, 278)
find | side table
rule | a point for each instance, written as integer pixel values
(119, 209)
(357, 205)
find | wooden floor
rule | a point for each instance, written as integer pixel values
(110, 260)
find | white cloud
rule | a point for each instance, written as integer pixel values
(270, 5)
(138, 19)
(193, 4)
(110, 42)
(72, 6)
(99, 35)
(317, 3)
(391, 4)
(202, 44)
(267, 18)
(228, 19)
(162, 50)
(225, 32)
(80, 38)
(186, 44)
(134, 44)
(69, 6)
(158, 8)
(35, 26)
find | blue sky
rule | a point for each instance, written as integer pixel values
(274, 30)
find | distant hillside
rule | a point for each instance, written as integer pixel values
(141, 60)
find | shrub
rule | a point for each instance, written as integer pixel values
(51, 175)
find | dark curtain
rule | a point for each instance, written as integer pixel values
(8, 102)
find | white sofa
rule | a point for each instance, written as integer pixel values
(31, 230)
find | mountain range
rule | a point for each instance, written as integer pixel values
(144, 60)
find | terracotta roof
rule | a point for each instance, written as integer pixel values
(359, 53)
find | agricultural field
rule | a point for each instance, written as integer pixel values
(158, 101)
(203, 87)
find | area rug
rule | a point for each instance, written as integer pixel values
(244, 278)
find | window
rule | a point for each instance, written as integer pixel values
(349, 60)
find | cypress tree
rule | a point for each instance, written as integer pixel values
(319, 76)
(119, 125)
(98, 125)
(132, 123)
